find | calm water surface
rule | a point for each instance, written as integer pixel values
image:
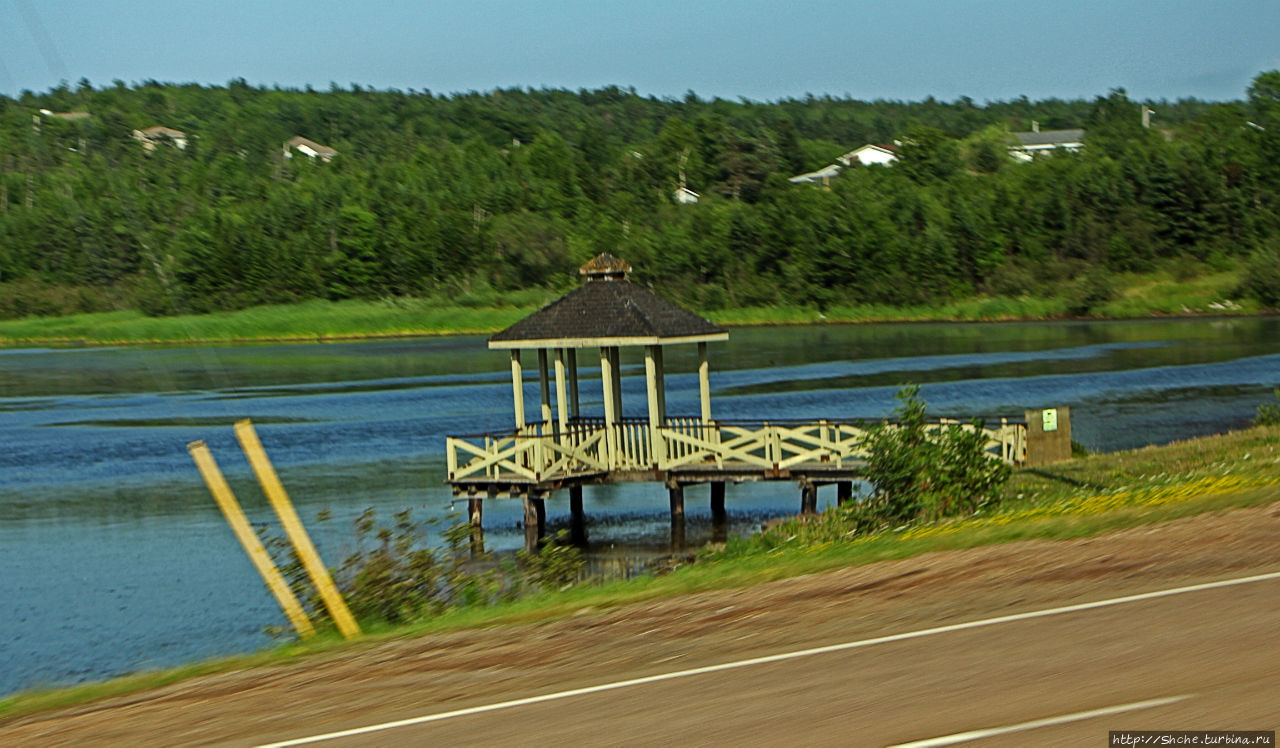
(115, 558)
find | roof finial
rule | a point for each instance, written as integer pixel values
(605, 266)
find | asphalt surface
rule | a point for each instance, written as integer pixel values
(1214, 650)
(1206, 659)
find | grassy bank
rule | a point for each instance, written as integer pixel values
(1153, 294)
(1083, 497)
(308, 321)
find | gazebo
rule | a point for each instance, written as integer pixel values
(562, 448)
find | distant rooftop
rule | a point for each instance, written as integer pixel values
(1049, 137)
(300, 142)
(64, 115)
(160, 131)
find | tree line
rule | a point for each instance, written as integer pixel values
(483, 193)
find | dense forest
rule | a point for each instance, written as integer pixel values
(483, 193)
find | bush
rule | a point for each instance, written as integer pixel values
(1012, 279)
(399, 579)
(1088, 292)
(922, 473)
(1269, 414)
(555, 566)
(1261, 279)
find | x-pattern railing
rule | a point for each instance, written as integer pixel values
(541, 452)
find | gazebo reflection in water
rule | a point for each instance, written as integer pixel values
(563, 449)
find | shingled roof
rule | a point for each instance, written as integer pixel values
(607, 310)
(1049, 137)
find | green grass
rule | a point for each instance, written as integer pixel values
(307, 321)
(1146, 295)
(1152, 294)
(1080, 498)
(1163, 293)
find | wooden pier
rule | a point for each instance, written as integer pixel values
(563, 449)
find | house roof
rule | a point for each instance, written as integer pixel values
(64, 115)
(607, 310)
(161, 131)
(889, 149)
(827, 172)
(1049, 137)
(322, 150)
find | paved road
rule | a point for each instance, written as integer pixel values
(1212, 655)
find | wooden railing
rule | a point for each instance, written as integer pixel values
(542, 452)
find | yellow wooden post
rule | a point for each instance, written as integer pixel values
(704, 382)
(517, 387)
(248, 539)
(653, 385)
(562, 407)
(607, 385)
(274, 490)
(544, 385)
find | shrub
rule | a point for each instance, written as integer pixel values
(1269, 414)
(923, 473)
(556, 565)
(399, 579)
(1261, 278)
(1088, 292)
(1013, 279)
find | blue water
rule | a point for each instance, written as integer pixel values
(115, 558)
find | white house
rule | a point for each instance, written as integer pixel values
(64, 115)
(308, 148)
(685, 196)
(869, 155)
(1037, 143)
(152, 136)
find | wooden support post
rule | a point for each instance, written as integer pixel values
(676, 493)
(653, 387)
(517, 387)
(562, 407)
(844, 492)
(577, 518)
(574, 409)
(475, 515)
(294, 529)
(704, 382)
(249, 539)
(808, 498)
(535, 523)
(607, 385)
(719, 518)
(544, 385)
(717, 503)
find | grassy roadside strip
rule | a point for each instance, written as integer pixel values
(1154, 294)
(1081, 498)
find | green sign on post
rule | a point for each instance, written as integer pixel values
(1050, 419)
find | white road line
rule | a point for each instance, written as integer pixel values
(961, 737)
(777, 658)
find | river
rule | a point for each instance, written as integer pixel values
(115, 558)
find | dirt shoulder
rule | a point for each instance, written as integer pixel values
(402, 678)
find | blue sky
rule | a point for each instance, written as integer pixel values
(895, 49)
